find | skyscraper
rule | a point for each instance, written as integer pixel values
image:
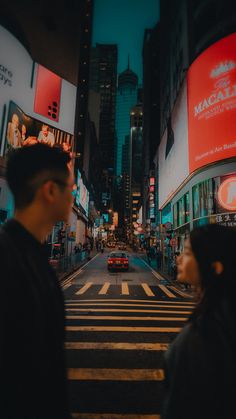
(126, 98)
(103, 75)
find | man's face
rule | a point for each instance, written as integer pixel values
(45, 130)
(15, 120)
(65, 199)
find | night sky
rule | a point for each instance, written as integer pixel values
(123, 22)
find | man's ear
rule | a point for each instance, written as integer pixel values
(48, 191)
(218, 267)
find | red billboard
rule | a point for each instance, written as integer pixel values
(47, 93)
(212, 104)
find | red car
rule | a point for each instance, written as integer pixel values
(117, 261)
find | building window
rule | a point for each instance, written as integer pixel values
(181, 211)
(203, 199)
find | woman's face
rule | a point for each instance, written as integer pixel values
(187, 266)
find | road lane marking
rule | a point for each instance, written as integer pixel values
(124, 288)
(119, 310)
(182, 293)
(113, 416)
(67, 285)
(158, 276)
(147, 290)
(166, 291)
(117, 346)
(76, 273)
(84, 288)
(135, 318)
(133, 301)
(104, 288)
(122, 329)
(124, 305)
(115, 374)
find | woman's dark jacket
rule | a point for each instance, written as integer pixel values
(32, 359)
(200, 369)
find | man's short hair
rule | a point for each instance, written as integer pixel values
(28, 167)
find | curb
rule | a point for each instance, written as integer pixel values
(167, 278)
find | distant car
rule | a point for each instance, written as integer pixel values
(122, 246)
(118, 261)
(111, 244)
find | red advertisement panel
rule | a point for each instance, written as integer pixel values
(47, 93)
(212, 104)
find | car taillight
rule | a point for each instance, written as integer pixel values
(126, 261)
(110, 261)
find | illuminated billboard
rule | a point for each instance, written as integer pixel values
(24, 130)
(211, 84)
(82, 194)
(227, 194)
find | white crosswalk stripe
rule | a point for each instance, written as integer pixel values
(151, 321)
(126, 289)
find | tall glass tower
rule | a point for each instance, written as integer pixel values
(126, 98)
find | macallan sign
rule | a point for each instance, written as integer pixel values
(212, 104)
(222, 88)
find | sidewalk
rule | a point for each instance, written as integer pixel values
(165, 275)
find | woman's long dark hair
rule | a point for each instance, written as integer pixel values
(211, 243)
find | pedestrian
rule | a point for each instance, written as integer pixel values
(158, 257)
(32, 357)
(148, 254)
(88, 250)
(200, 364)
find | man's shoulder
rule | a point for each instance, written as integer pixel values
(5, 240)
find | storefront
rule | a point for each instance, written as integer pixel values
(209, 197)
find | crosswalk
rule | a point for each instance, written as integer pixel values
(126, 289)
(115, 350)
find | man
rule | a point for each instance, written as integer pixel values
(45, 136)
(13, 133)
(32, 361)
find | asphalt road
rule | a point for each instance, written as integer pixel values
(118, 326)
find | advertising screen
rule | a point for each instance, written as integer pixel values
(23, 130)
(47, 93)
(82, 194)
(211, 84)
(78, 181)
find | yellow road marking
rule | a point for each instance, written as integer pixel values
(117, 346)
(104, 288)
(84, 288)
(119, 310)
(166, 291)
(183, 294)
(126, 318)
(112, 416)
(148, 290)
(125, 305)
(124, 288)
(110, 374)
(67, 285)
(132, 301)
(122, 329)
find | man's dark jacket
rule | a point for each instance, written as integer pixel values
(32, 359)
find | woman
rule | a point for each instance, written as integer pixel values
(200, 364)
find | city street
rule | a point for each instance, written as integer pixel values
(117, 328)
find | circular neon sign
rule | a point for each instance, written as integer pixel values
(227, 194)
